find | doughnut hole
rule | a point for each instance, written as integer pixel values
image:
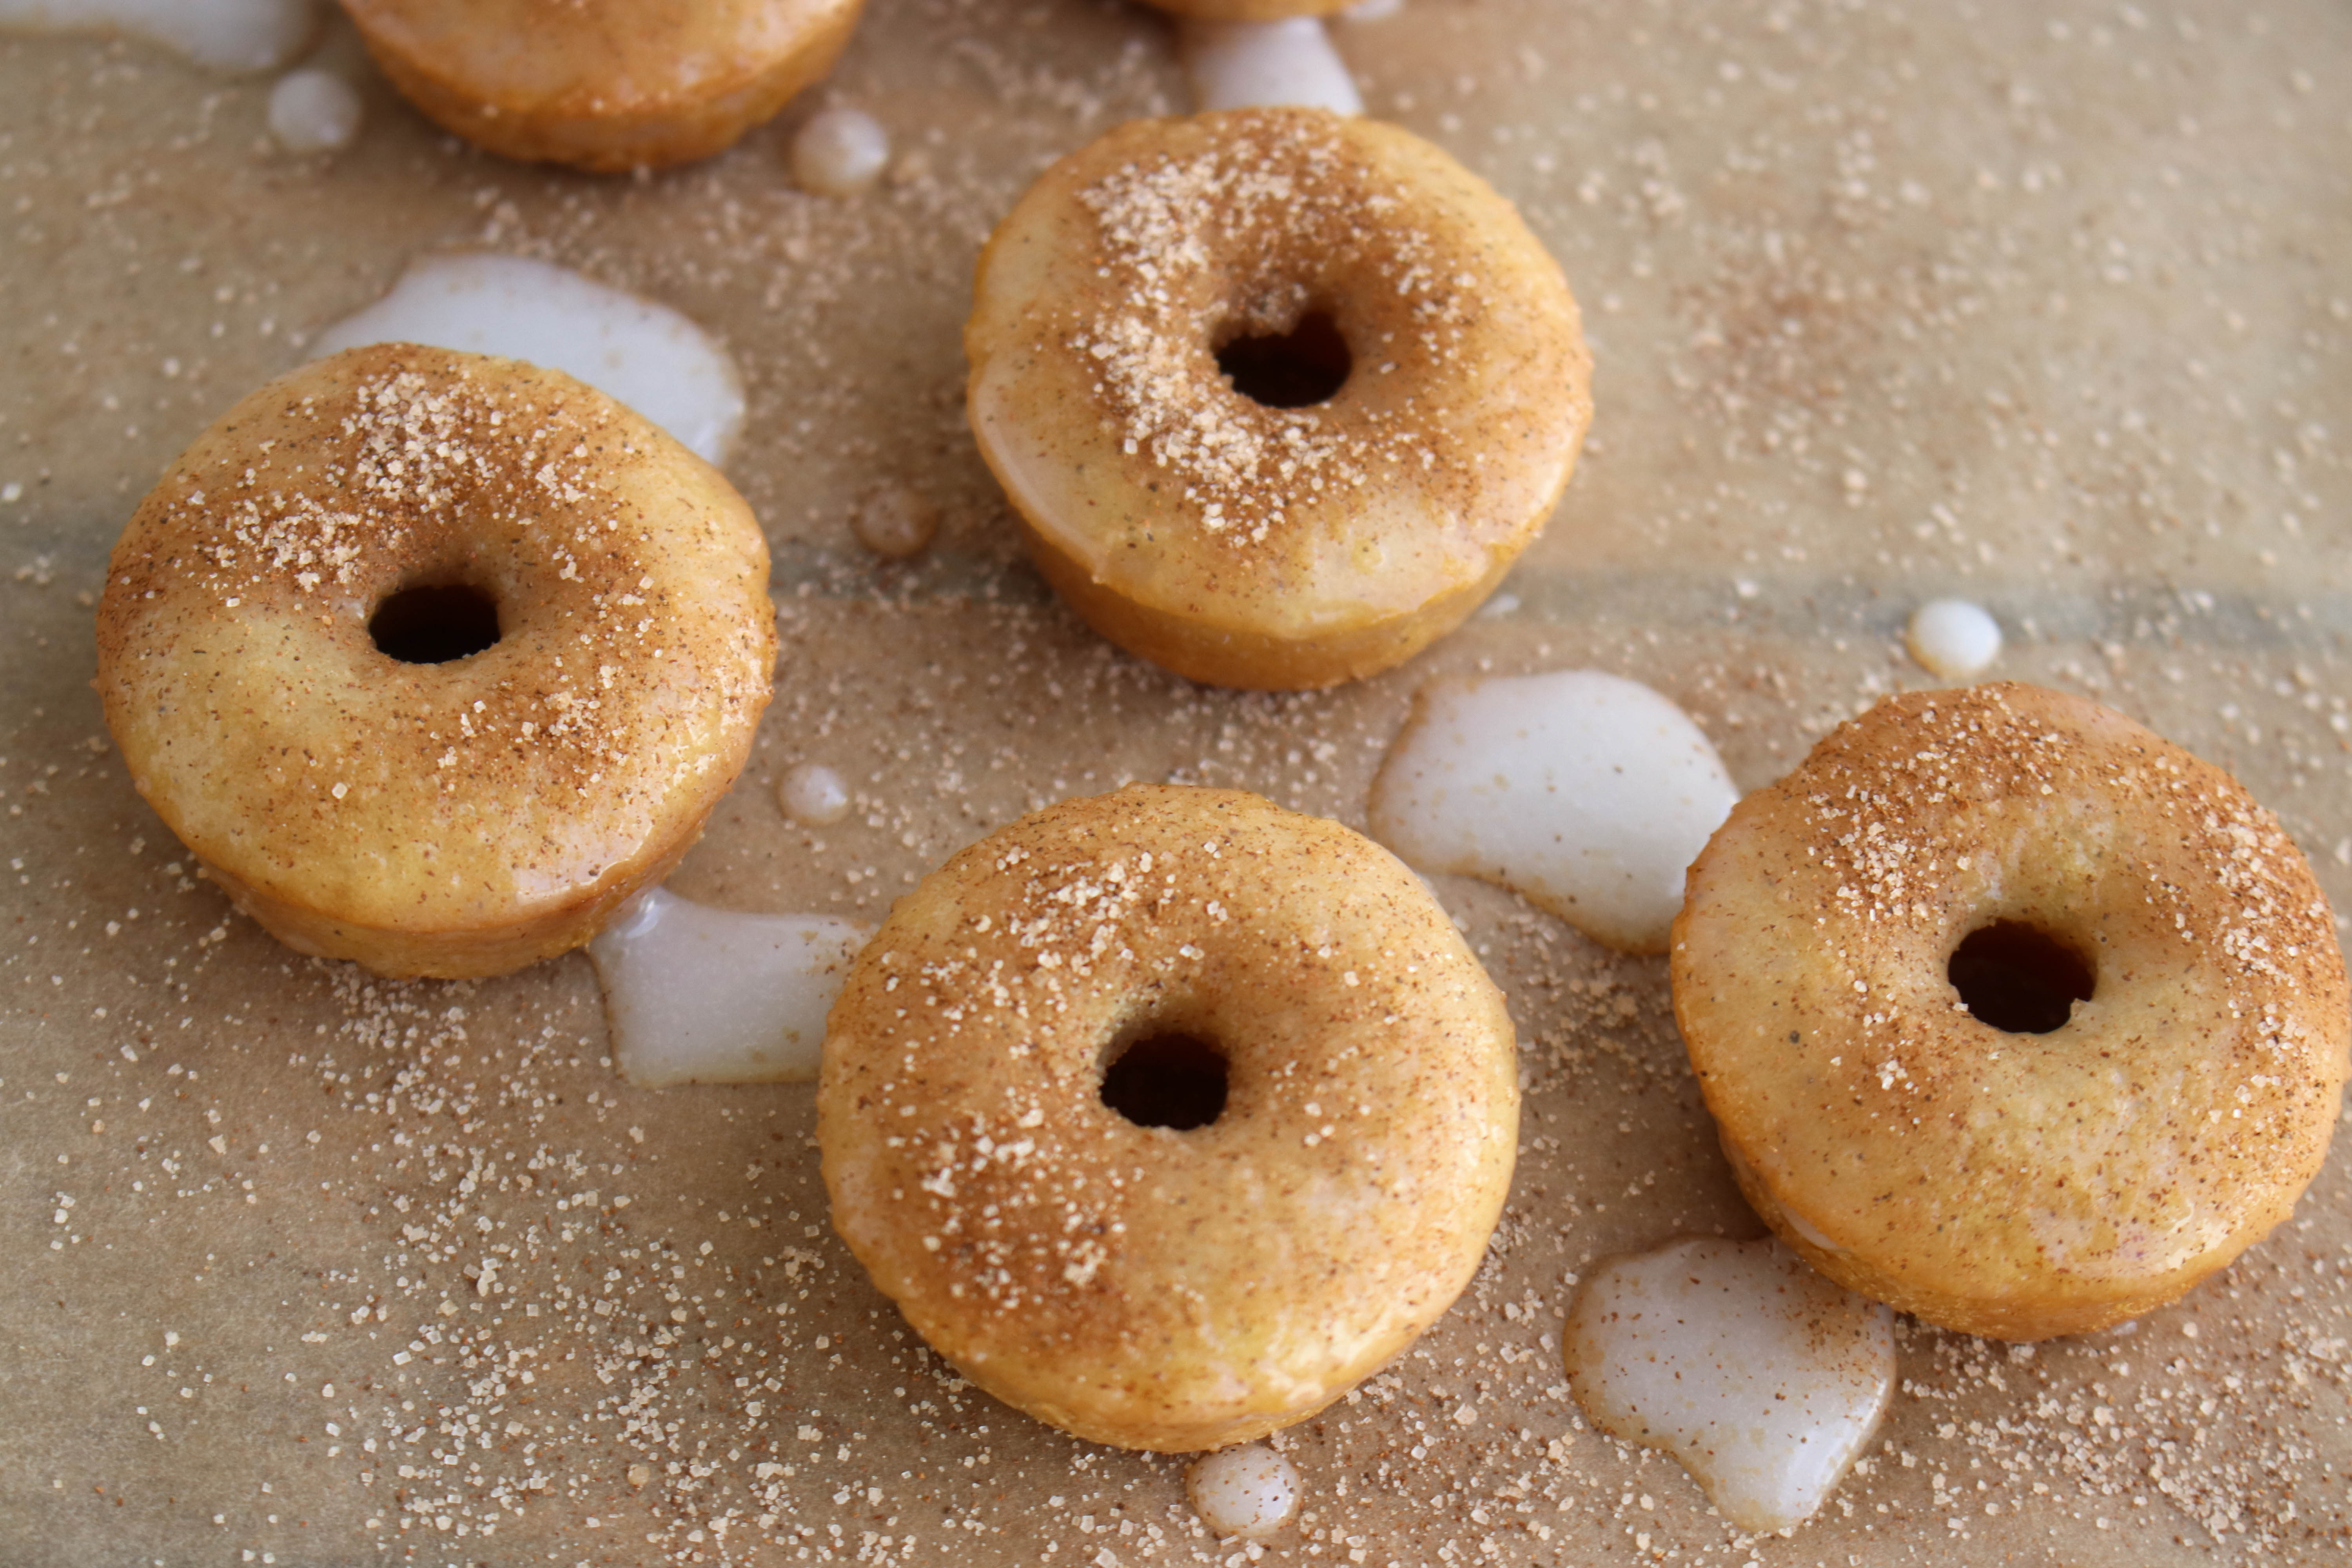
(1299, 368)
(1164, 1077)
(435, 623)
(2020, 978)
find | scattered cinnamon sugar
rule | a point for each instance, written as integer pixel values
(1886, 245)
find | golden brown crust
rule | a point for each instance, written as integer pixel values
(1235, 542)
(457, 818)
(606, 87)
(1135, 1285)
(2012, 1184)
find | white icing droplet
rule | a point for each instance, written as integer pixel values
(840, 151)
(698, 995)
(1763, 1377)
(1372, 10)
(647, 355)
(1254, 65)
(224, 35)
(1245, 1493)
(895, 520)
(1954, 639)
(813, 794)
(1586, 792)
(313, 111)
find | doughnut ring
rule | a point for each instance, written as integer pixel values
(1168, 1115)
(2012, 1013)
(1277, 397)
(606, 87)
(434, 659)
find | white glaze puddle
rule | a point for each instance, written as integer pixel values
(1243, 1494)
(1587, 794)
(1254, 65)
(223, 34)
(698, 995)
(647, 355)
(813, 796)
(1954, 639)
(313, 111)
(895, 520)
(839, 152)
(1763, 1377)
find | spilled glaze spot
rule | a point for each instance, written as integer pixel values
(1764, 1378)
(1257, 65)
(313, 111)
(895, 520)
(813, 796)
(222, 35)
(645, 356)
(1246, 1493)
(839, 152)
(698, 995)
(1953, 638)
(1587, 794)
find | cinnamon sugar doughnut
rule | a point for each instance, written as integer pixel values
(434, 659)
(623, 84)
(1278, 396)
(2010, 1013)
(1280, 989)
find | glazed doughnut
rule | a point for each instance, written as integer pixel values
(606, 87)
(434, 659)
(1317, 1113)
(2012, 1013)
(1277, 397)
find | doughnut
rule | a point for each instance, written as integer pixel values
(2012, 1013)
(434, 658)
(1277, 397)
(1168, 1115)
(606, 87)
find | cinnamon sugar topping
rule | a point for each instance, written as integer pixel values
(1246, 238)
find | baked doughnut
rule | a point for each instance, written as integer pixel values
(287, 654)
(1277, 397)
(608, 87)
(2012, 1013)
(1318, 1113)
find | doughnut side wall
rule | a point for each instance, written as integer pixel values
(447, 818)
(2012, 1184)
(1137, 1285)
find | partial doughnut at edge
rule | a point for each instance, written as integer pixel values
(619, 85)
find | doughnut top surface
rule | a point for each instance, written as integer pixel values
(1137, 1284)
(574, 757)
(2065, 1171)
(1135, 454)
